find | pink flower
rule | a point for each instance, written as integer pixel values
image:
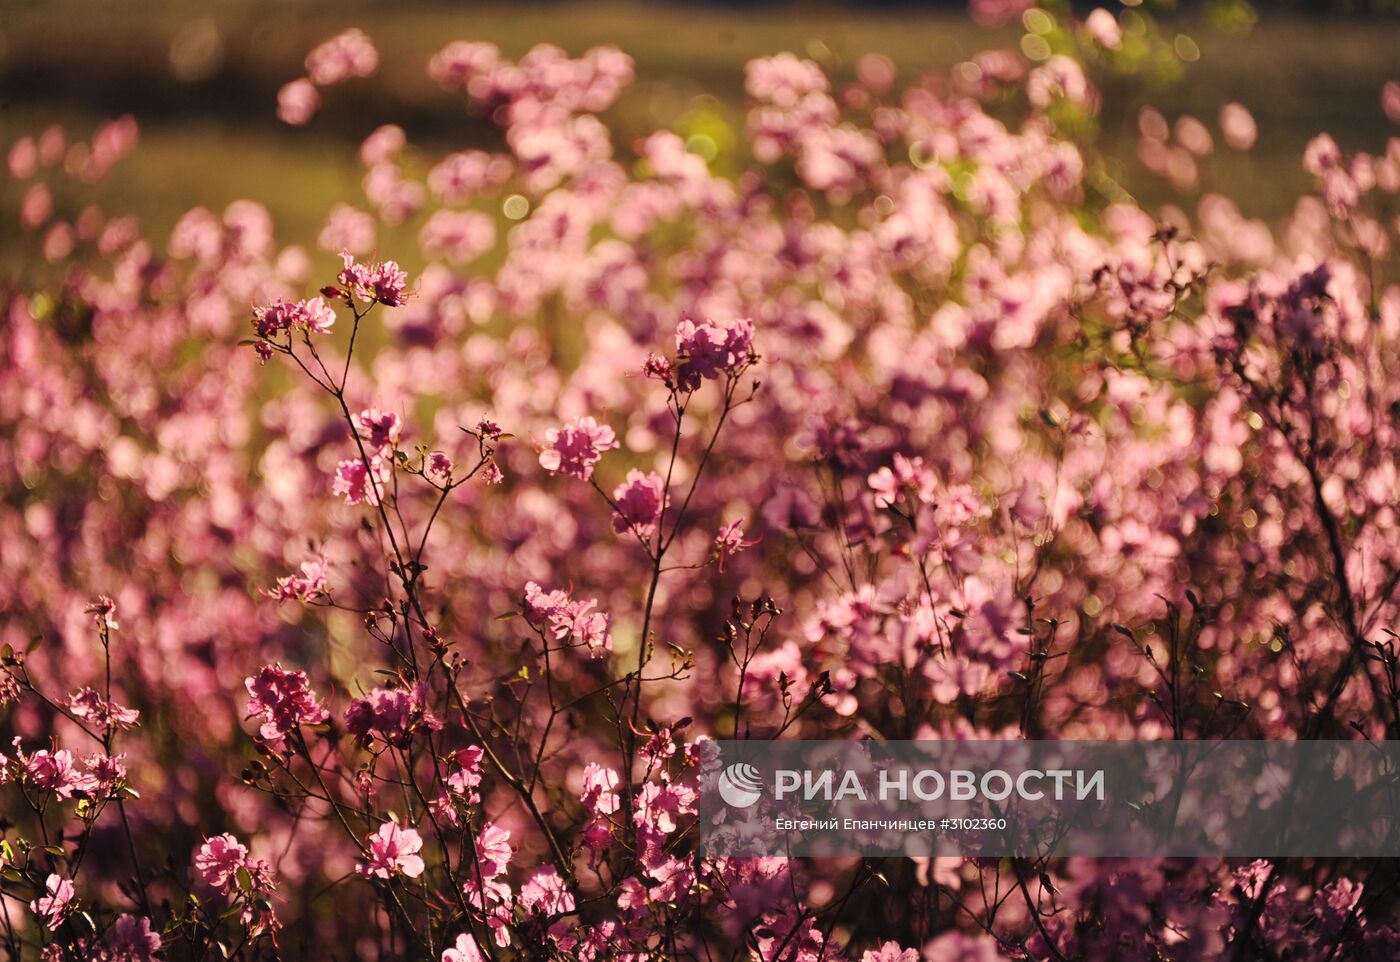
(1390, 100)
(102, 775)
(890, 952)
(1104, 29)
(133, 941)
(346, 55)
(218, 861)
(459, 236)
(347, 229)
(378, 429)
(1322, 155)
(730, 541)
(1238, 126)
(297, 102)
(708, 350)
(383, 145)
(359, 484)
(546, 893)
(465, 950)
(36, 208)
(465, 776)
(438, 467)
(994, 13)
(565, 618)
(104, 611)
(639, 502)
(313, 316)
(460, 177)
(599, 789)
(575, 448)
(493, 850)
(89, 705)
(456, 65)
(23, 159)
(307, 586)
(907, 474)
(393, 715)
(393, 851)
(381, 283)
(54, 772)
(283, 700)
(52, 907)
(658, 368)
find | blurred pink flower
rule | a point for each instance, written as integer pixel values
(639, 501)
(297, 102)
(346, 55)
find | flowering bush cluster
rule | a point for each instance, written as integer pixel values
(397, 621)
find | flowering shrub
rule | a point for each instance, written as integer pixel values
(428, 594)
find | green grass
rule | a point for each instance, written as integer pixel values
(211, 137)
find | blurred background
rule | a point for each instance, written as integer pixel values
(201, 77)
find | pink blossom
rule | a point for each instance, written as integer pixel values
(438, 467)
(393, 851)
(104, 773)
(308, 585)
(312, 316)
(392, 715)
(346, 55)
(36, 207)
(104, 612)
(378, 429)
(23, 160)
(381, 283)
(493, 849)
(459, 236)
(575, 448)
(347, 229)
(53, 906)
(710, 349)
(283, 700)
(383, 145)
(464, 949)
(599, 789)
(546, 893)
(53, 771)
(360, 484)
(1104, 29)
(89, 705)
(568, 620)
(994, 13)
(1390, 100)
(132, 940)
(218, 861)
(730, 541)
(459, 63)
(465, 776)
(639, 501)
(297, 102)
(1322, 155)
